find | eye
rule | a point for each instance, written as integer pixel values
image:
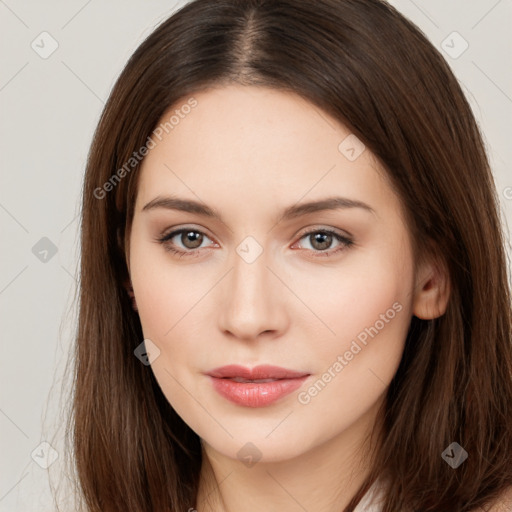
(321, 240)
(190, 238)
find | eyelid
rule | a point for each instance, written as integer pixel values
(175, 230)
(316, 228)
(344, 237)
(306, 231)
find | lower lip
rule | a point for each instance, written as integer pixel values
(256, 394)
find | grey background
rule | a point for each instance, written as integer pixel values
(49, 109)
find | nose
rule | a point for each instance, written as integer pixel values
(252, 300)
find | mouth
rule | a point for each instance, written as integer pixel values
(258, 373)
(240, 379)
(256, 387)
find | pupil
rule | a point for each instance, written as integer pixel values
(194, 238)
(324, 239)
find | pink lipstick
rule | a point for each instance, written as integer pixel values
(256, 387)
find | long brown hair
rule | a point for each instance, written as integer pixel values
(368, 67)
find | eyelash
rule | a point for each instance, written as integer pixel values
(346, 242)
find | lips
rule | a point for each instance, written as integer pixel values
(256, 387)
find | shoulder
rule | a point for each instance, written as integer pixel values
(502, 504)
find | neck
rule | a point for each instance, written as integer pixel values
(323, 478)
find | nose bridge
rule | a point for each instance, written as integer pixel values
(251, 304)
(250, 276)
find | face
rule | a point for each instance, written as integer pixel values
(265, 280)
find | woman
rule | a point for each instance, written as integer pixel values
(294, 289)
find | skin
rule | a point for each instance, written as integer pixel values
(248, 153)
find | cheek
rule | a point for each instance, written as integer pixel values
(172, 300)
(367, 306)
(164, 290)
(354, 367)
(369, 291)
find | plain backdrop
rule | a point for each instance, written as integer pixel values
(50, 105)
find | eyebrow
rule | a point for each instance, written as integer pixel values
(291, 212)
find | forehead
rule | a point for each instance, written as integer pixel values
(245, 144)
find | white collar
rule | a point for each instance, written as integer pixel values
(373, 499)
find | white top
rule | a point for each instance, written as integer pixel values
(372, 500)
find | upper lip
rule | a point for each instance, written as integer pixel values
(263, 371)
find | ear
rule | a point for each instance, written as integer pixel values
(432, 289)
(129, 289)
